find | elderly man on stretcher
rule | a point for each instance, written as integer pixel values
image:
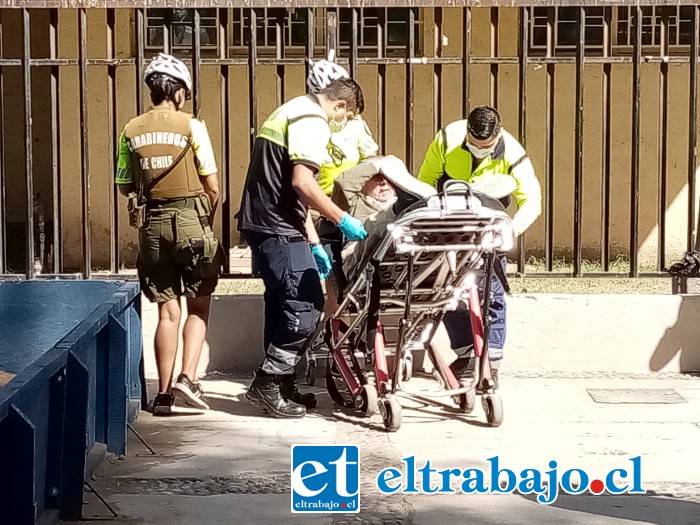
(376, 191)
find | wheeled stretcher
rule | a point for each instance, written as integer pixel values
(427, 260)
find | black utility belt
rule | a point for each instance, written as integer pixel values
(182, 203)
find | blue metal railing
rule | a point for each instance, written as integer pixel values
(74, 349)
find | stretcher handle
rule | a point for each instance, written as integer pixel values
(458, 187)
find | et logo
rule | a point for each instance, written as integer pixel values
(325, 478)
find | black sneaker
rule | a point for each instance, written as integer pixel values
(163, 405)
(265, 391)
(190, 392)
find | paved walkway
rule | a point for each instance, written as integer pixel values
(231, 464)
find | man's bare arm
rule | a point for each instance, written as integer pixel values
(211, 188)
(311, 232)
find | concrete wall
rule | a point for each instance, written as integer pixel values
(425, 123)
(546, 334)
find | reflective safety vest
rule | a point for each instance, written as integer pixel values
(345, 150)
(448, 157)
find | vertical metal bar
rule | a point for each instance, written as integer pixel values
(354, 43)
(466, 57)
(331, 30)
(85, 149)
(605, 164)
(29, 152)
(693, 236)
(196, 62)
(225, 136)
(381, 85)
(634, 164)
(57, 262)
(310, 37)
(549, 148)
(410, 77)
(522, 122)
(437, 74)
(578, 167)
(2, 158)
(140, 54)
(252, 62)
(279, 54)
(167, 33)
(494, 53)
(113, 137)
(663, 141)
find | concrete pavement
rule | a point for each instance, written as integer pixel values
(231, 464)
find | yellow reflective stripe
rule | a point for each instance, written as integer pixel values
(273, 135)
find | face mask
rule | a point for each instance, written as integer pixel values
(480, 153)
(338, 126)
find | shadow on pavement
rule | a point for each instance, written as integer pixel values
(679, 338)
(649, 508)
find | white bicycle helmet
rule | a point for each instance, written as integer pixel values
(323, 72)
(171, 66)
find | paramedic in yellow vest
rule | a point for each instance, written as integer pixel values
(346, 149)
(350, 143)
(166, 167)
(274, 219)
(348, 146)
(471, 150)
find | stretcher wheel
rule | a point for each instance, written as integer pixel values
(370, 400)
(493, 408)
(311, 373)
(392, 414)
(467, 401)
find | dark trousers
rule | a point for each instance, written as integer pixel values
(459, 327)
(293, 297)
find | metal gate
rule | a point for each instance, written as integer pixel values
(603, 97)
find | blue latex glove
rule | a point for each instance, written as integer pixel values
(323, 263)
(352, 228)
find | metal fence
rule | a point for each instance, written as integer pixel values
(546, 37)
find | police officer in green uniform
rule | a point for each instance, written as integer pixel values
(475, 150)
(166, 168)
(274, 220)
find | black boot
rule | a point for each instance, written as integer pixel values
(289, 391)
(463, 367)
(265, 391)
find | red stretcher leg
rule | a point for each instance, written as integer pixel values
(451, 382)
(342, 363)
(480, 348)
(381, 369)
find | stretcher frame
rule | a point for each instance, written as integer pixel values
(426, 263)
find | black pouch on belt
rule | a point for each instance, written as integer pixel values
(136, 206)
